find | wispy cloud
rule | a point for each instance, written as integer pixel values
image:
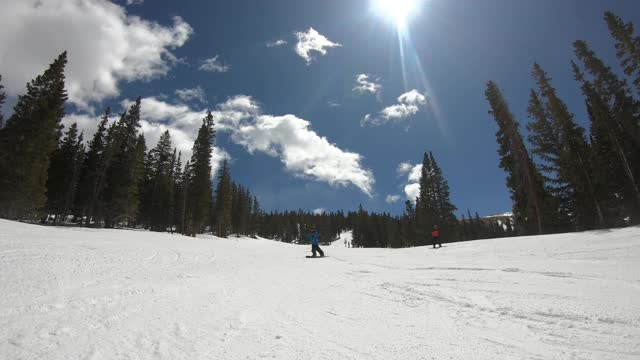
(408, 105)
(312, 41)
(333, 104)
(276, 43)
(134, 2)
(364, 84)
(214, 65)
(187, 95)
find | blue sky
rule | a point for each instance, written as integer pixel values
(327, 154)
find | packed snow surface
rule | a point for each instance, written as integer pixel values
(75, 293)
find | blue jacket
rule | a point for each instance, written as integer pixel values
(314, 237)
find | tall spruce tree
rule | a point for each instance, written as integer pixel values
(615, 124)
(93, 171)
(199, 193)
(627, 46)
(63, 174)
(160, 197)
(564, 150)
(3, 97)
(445, 217)
(178, 193)
(125, 155)
(523, 179)
(224, 201)
(27, 141)
(426, 206)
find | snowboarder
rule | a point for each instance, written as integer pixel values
(435, 236)
(314, 236)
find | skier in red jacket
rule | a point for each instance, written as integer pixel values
(435, 236)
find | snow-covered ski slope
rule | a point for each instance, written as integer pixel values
(74, 293)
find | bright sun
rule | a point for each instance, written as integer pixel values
(399, 11)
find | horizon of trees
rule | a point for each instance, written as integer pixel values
(562, 177)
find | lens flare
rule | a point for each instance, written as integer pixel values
(398, 11)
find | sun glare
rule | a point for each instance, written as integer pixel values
(398, 11)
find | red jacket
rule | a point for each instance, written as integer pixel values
(435, 233)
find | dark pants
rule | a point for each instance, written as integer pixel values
(315, 248)
(436, 240)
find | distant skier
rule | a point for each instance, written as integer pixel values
(314, 236)
(435, 236)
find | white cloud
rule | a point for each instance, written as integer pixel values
(412, 186)
(279, 42)
(364, 84)
(302, 151)
(188, 95)
(214, 65)
(390, 199)
(333, 104)
(218, 155)
(310, 41)
(105, 46)
(319, 211)
(134, 2)
(404, 168)
(408, 105)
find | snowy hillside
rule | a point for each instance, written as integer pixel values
(71, 293)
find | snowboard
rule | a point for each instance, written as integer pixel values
(313, 257)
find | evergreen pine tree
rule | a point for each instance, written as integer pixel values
(125, 160)
(63, 174)
(523, 179)
(257, 217)
(615, 125)
(426, 207)
(199, 188)
(224, 201)
(3, 97)
(160, 184)
(563, 147)
(93, 171)
(178, 193)
(627, 46)
(445, 217)
(27, 141)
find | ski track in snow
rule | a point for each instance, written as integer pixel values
(75, 293)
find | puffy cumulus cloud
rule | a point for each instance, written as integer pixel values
(194, 94)
(311, 40)
(412, 186)
(408, 105)
(279, 42)
(364, 84)
(319, 211)
(390, 199)
(302, 151)
(105, 45)
(214, 65)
